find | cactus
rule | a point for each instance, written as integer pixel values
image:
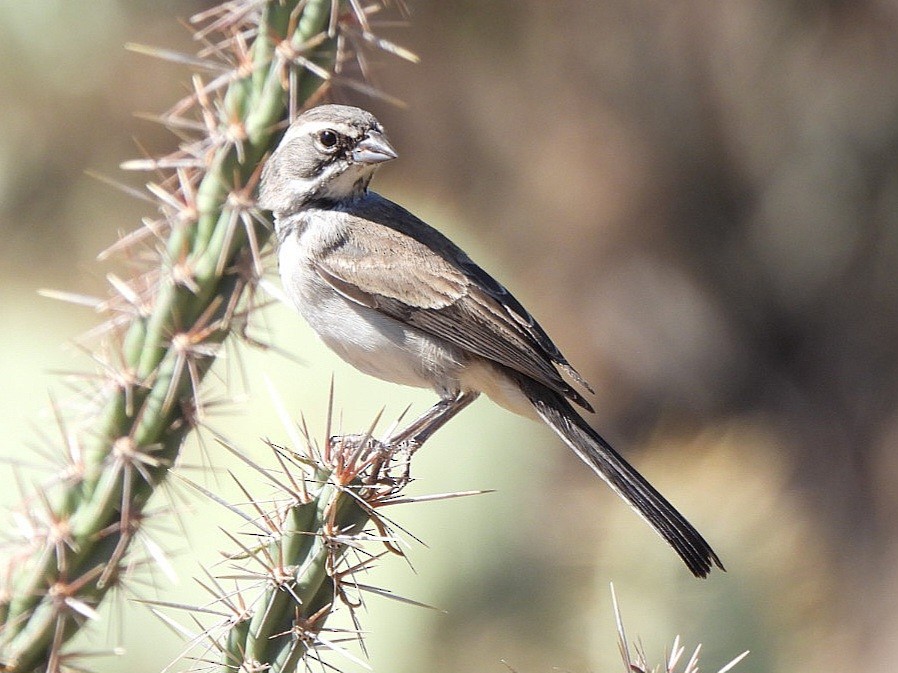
(166, 325)
(289, 583)
(636, 660)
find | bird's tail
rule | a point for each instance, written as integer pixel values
(558, 413)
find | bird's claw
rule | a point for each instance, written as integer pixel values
(388, 454)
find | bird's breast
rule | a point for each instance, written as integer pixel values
(362, 336)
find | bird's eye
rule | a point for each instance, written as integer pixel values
(328, 138)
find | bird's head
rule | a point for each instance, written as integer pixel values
(328, 154)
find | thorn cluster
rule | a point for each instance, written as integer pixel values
(194, 270)
(301, 558)
(637, 662)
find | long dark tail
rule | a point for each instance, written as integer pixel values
(622, 477)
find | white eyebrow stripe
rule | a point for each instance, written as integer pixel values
(310, 127)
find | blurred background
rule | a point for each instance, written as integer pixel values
(697, 199)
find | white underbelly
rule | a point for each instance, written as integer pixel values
(386, 348)
(382, 347)
(365, 338)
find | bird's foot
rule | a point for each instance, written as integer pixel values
(387, 462)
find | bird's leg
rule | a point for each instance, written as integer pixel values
(410, 439)
(413, 437)
(432, 420)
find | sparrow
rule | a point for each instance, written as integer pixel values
(398, 300)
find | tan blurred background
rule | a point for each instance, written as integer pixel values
(699, 202)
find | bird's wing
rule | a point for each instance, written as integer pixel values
(384, 264)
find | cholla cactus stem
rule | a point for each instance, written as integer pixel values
(167, 323)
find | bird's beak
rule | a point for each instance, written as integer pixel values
(373, 149)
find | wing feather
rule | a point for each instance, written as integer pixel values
(444, 294)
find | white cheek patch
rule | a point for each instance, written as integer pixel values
(327, 185)
(301, 186)
(348, 183)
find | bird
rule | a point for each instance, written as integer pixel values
(398, 300)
